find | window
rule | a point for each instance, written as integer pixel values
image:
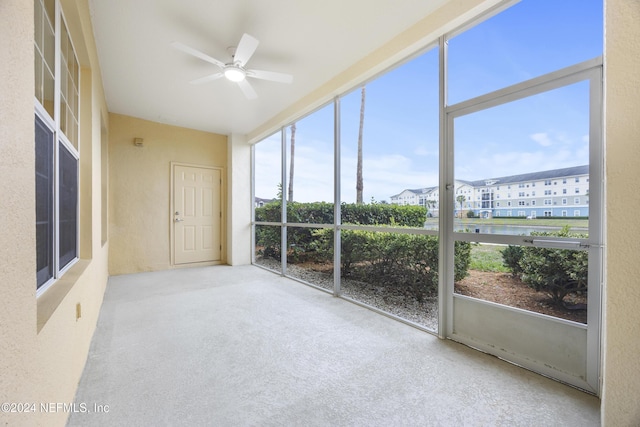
(577, 179)
(564, 201)
(547, 192)
(547, 201)
(564, 213)
(56, 146)
(564, 191)
(533, 203)
(576, 201)
(547, 182)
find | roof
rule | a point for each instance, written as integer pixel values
(536, 176)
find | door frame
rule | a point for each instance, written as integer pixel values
(589, 379)
(223, 218)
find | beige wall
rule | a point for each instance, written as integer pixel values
(621, 395)
(43, 346)
(140, 188)
(239, 208)
(17, 244)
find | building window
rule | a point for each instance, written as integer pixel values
(547, 201)
(564, 201)
(577, 190)
(44, 202)
(547, 213)
(564, 213)
(576, 213)
(576, 201)
(533, 203)
(56, 146)
(577, 179)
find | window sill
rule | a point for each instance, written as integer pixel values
(49, 301)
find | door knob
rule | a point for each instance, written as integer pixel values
(179, 220)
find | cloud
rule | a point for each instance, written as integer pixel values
(541, 138)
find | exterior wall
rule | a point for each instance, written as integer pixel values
(140, 188)
(17, 173)
(44, 346)
(622, 294)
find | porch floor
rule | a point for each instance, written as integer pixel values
(238, 346)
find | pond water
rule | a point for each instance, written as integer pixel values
(513, 230)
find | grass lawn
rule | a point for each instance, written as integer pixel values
(487, 258)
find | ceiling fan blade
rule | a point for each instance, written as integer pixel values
(270, 75)
(245, 49)
(247, 89)
(206, 79)
(197, 53)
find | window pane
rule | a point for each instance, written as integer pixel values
(531, 38)
(396, 273)
(44, 202)
(68, 210)
(399, 140)
(310, 157)
(310, 168)
(268, 246)
(513, 163)
(310, 255)
(268, 176)
(542, 280)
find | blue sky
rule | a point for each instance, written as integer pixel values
(547, 131)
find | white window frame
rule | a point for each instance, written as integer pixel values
(59, 138)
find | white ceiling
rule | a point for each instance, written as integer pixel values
(312, 40)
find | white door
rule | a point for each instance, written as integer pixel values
(197, 214)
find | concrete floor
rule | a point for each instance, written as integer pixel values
(240, 346)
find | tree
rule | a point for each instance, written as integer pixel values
(359, 184)
(293, 149)
(461, 199)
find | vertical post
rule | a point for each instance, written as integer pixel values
(337, 217)
(283, 199)
(445, 211)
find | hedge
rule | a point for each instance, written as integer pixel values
(558, 272)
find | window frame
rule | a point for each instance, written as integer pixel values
(61, 140)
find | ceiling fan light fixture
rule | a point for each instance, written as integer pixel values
(234, 73)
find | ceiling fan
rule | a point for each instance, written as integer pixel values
(236, 70)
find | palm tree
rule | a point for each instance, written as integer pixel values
(293, 149)
(461, 199)
(359, 184)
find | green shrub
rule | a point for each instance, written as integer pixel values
(300, 240)
(407, 263)
(511, 256)
(557, 272)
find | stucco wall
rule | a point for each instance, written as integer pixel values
(621, 395)
(43, 346)
(140, 188)
(17, 174)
